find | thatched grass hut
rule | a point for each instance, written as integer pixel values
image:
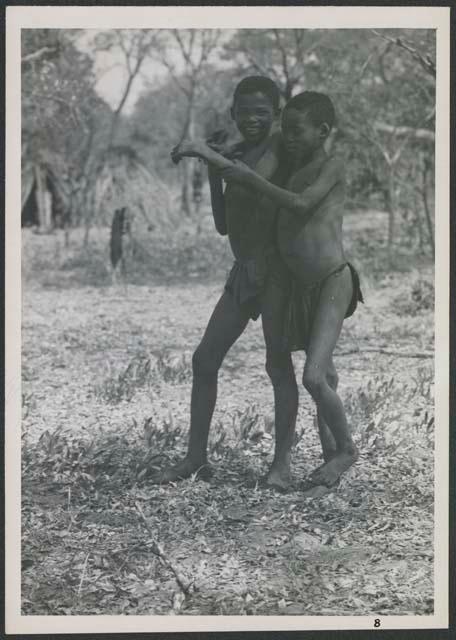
(124, 181)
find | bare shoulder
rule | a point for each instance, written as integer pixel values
(335, 165)
(325, 172)
(267, 160)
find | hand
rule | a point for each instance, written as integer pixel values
(217, 140)
(239, 172)
(235, 152)
(187, 149)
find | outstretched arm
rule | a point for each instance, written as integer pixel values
(199, 149)
(302, 203)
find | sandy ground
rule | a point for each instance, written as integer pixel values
(76, 341)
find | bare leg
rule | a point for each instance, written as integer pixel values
(328, 443)
(227, 323)
(279, 367)
(326, 327)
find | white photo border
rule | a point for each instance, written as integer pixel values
(20, 17)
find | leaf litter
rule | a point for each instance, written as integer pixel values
(106, 388)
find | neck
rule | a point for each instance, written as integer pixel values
(251, 145)
(316, 154)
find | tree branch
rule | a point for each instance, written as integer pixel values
(424, 60)
(184, 584)
(418, 134)
(173, 75)
(39, 54)
(283, 55)
(387, 352)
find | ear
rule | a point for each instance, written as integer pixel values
(325, 130)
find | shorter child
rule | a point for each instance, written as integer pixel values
(326, 288)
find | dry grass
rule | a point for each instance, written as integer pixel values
(106, 388)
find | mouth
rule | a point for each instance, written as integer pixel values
(291, 148)
(252, 130)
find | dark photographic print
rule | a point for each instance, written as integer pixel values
(224, 332)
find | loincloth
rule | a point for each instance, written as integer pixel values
(303, 304)
(247, 280)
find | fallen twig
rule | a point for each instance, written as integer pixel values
(388, 352)
(83, 574)
(183, 583)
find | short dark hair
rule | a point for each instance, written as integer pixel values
(317, 105)
(262, 84)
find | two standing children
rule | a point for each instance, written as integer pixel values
(305, 303)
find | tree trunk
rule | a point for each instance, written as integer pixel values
(66, 237)
(391, 209)
(39, 195)
(116, 115)
(427, 211)
(186, 201)
(47, 202)
(288, 91)
(186, 174)
(417, 208)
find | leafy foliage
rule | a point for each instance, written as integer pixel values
(382, 83)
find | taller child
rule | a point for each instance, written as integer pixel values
(255, 285)
(326, 288)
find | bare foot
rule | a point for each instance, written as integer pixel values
(278, 479)
(310, 490)
(183, 470)
(329, 473)
(329, 454)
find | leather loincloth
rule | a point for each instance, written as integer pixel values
(302, 307)
(247, 280)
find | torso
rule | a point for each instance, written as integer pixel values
(313, 250)
(251, 218)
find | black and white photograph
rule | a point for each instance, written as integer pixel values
(227, 389)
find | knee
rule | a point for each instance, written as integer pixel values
(314, 381)
(203, 364)
(332, 379)
(279, 369)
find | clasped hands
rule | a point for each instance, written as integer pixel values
(238, 171)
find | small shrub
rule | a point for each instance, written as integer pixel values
(60, 459)
(174, 367)
(386, 413)
(143, 372)
(247, 424)
(418, 298)
(64, 460)
(124, 385)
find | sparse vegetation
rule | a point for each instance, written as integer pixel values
(106, 391)
(107, 368)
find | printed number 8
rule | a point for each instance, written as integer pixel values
(377, 622)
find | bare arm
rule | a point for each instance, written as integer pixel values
(199, 149)
(302, 203)
(216, 161)
(217, 200)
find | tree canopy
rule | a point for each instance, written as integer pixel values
(382, 83)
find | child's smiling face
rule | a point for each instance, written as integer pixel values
(254, 115)
(301, 137)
